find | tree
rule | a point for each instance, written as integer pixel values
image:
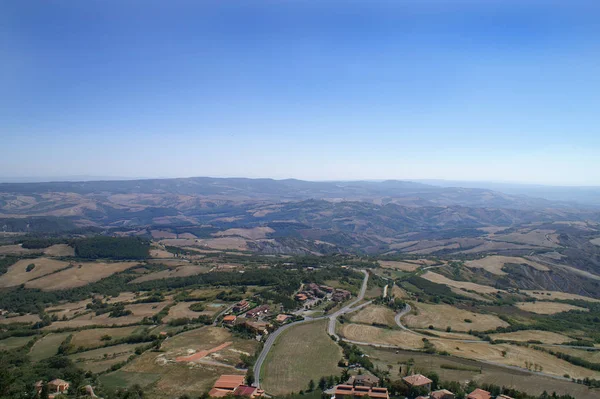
(311, 386)
(44, 391)
(250, 377)
(435, 380)
(322, 383)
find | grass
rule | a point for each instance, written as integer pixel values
(374, 314)
(102, 359)
(382, 336)
(14, 342)
(124, 379)
(547, 307)
(443, 316)
(47, 346)
(92, 337)
(300, 354)
(546, 337)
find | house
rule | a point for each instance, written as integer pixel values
(326, 288)
(442, 394)
(258, 326)
(226, 385)
(258, 311)
(479, 394)
(316, 290)
(248, 392)
(301, 297)
(351, 392)
(341, 295)
(241, 306)
(229, 319)
(418, 381)
(363, 381)
(55, 387)
(282, 318)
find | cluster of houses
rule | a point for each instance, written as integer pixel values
(420, 381)
(313, 290)
(233, 384)
(359, 386)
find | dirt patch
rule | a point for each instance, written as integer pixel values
(381, 336)
(546, 337)
(494, 264)
(374, 314)
(442, 316)
(540, 307)
(438, 278)
(60, 250)
(201, 354)
(79, 275)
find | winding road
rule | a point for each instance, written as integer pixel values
(330, 327)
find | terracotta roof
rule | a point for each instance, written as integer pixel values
(219, 393)
(230, 318)
(57, 382)
(244, 390)
(417, 380)
(479, 394)
(440, 393)
(282, 317)
(358, 391)
(229, 381)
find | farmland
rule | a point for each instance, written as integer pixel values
(540, 307)
(381, 336)
(374, 314)
(438, 278)
(546, 337)
(443, 316)
(494, 264)
(291, 363)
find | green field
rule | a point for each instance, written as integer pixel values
(47, 346)
(124, 379)
(300, 354)
(14, 342)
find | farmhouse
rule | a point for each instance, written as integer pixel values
(442, 394)
(419, 380)
(363, 381)
(229, 319)
(258, 311)
(327, 288)
(226, 385)
(55, 387)
(241, 306)
(301, 297)
(350, 392)
(315, 289)
(258, 327)
(479, 394)
(248, 392)
(282, 318)
(341, 295)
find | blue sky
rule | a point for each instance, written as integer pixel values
(464, 90)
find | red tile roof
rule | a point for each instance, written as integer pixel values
(244, 390)
(229, 381)
(479, 394)
(417, 380)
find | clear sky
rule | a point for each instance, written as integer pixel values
(496, 90)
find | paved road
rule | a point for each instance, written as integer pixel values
(330, 328)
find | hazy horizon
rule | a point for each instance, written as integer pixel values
(405, 90)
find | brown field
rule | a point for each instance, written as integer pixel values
(181, 271)
(179, 242)
(182, 309)
(438, 278)
(96, 361)
(252, 234)
(28, 318)
(92, 337)
(236, 243)
(59, 250)
(589, 355)
(17, 249)
(69, 309)
(540, 307)
(515, 356)
(374, 314)
(550, 295)
(494, 264)
(449, 335)
(543, 238)
(161, 253)
(442, 316)
(126, 297)
(481, 372)
(140, 310)
(399, 292)
(158, 234)
(533, 335)
(381, 336)
(79, 275)
(17, 274)
(404, 266)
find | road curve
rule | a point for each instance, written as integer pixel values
(330, 327)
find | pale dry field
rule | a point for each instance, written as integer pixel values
(398, 292)
(79, 275)
(159, 234)
(449, 335)
(161, 253)
(589, 355)
(438, 278)
(17, 249)
(543, 238)
(404, 266)
(515, 356)
(442, 316)
(546, 337)
(182, 309)
(252, 234)
(236, 243)
(381, 336)
(59, 250)
(28, 318)
(540, 307)
(181, 271)
(551, 295)
(92, 337)
(494, 264)
(374, 314)
(69, 309)
(17, 274)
